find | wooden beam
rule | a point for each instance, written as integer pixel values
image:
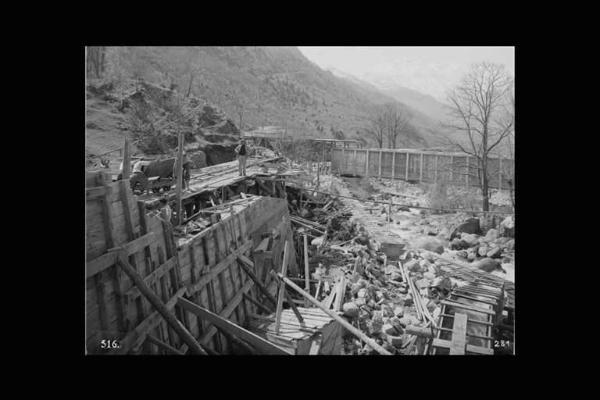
(468, 307)
(227, 311)
(372, 343)
(126, 161)
(380, 157)
(289, 298)
(306, 269)
(341, 291)
(281, 289)
(459, 334)
(136, 337)
(95, 192)
(179, 177)
(394, 164)
(257, 304)
(406, 172)
(247, 264)
(367, 164)
(177, 326)
(236, 330)
(470, 348)
(220, 267)
(108, 259)
(162, 345)
(421, 169)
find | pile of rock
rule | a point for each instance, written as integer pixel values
(488, 252)
(379, 300)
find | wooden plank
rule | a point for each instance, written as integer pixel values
(394, 165)
(306, 270)
(469, 348)
(468, 307)
(281, 288)
(123, 192)
(341, 290)
(160, 306)
(253, 339)
(342, 321)
(226, 312)
(137, 336)
(214, 271)
(380, 155)
(95, 192)
(406, 172)
(108, 259)
(153, 277)
(459, 334)
(257, 304)
(421, 169)
(163, 345)
(247, 265)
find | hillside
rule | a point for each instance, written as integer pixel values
(258, 86)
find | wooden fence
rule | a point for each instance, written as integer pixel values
(420, 166)
(203, 269)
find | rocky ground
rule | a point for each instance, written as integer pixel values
(151, 117)
(378, 253)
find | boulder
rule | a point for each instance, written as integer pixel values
(469, 226)
(399, 311)
(431, 244)
(412, 265)
(488, 265)
(429, 275)
(482, 251)
(494, 252)
(350, 309)
(491, 235)
(510, 245)
(507, 227)
(470, 239)
(471, 256)
(396, 276)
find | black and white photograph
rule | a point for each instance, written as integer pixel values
(309, 200)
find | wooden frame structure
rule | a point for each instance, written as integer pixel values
(137, 273)
(420, 166)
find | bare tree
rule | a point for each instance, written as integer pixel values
(377, 128)
(476, 108)
(396, 122)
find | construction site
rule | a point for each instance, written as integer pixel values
(265, 200)
(344, 256)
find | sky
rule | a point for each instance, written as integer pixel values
(431, 70)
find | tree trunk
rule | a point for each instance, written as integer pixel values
(190, 85)
(484, 185)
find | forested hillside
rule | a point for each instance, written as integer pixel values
(256, 86)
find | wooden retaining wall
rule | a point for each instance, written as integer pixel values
(204, 269)
(421, 166)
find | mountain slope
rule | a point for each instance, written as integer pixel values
(258, 86)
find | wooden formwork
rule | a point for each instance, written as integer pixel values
(203, 269)
(115, 310)
(470, 313)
